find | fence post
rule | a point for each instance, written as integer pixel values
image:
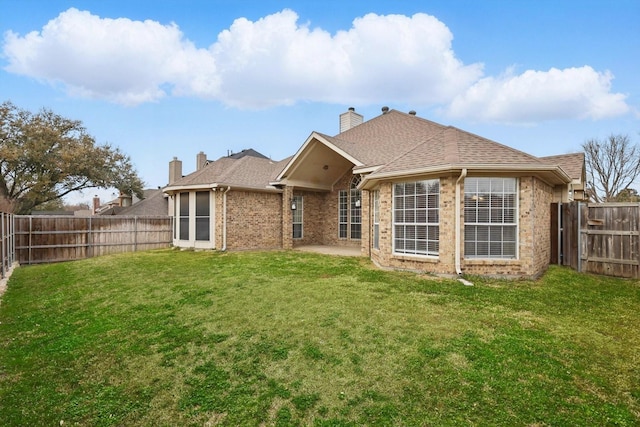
(135, 233)
(90, 239)
(580, 237)
(3, 244)
(30, 238)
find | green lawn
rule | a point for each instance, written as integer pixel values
(168, 338)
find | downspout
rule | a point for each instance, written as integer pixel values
(224, 219)
(457, 221)
(213, 215)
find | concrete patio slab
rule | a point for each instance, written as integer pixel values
(330, 250)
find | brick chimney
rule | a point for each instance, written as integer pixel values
(350, 119)
(201, 160)
(175, 170)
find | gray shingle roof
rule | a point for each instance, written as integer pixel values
(572, 164)
(154, 203)
(403, 141)
(246, 172)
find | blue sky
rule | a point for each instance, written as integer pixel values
(168, 78)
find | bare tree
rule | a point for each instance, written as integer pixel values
(612, 166)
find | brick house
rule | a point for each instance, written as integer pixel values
(410, 193)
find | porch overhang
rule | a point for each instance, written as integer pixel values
(317, 165)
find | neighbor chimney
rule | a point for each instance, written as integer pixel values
(350, 119)
(201, 160)
(125, 200)
(96, 204)
(175, 170)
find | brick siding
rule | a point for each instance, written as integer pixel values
(254, 220)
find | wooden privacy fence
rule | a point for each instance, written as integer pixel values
(601, 238)
(7, 243)
(42, 238)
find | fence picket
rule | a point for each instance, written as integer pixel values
(43, 239)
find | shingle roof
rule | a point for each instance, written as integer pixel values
(385, 137)
(154, 203)
(246, 172)
(572, 164)
(403, 141)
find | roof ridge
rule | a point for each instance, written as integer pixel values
(451, 145)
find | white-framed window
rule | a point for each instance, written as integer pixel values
(343, 214)
(416, 217)
(355, 206)
(491, 218)
(203, 210)
(376, 219)
(297, 201)
(184, 216)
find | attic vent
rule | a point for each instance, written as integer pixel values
(412, 112)
(385, 109)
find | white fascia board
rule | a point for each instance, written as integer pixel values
(170, 189)
(372, 179)
(179, 188)
(366, 170)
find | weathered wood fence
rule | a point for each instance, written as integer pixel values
(601, 238)
(7, 243)
(43, 239)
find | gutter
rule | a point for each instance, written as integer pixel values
(538, 170)
(224, 219)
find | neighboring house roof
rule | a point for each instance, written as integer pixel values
(154, 203)
(246, 171)
(247, 152)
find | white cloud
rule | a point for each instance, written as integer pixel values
(534, 96)
(272, 61)
(123, 61)
(380, 59)
(278, 61)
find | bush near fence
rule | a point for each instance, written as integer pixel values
(43, 239)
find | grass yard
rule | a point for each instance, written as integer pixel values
(168, 338)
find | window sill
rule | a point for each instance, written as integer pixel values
(418, 258)
(491, 261)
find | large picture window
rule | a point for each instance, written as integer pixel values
(184, 216)
(376, 219)
(350, 211)
(297, 216)
(490, 218)
(416, 217)
(343, 214)
(356, 208)
(202, 215)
